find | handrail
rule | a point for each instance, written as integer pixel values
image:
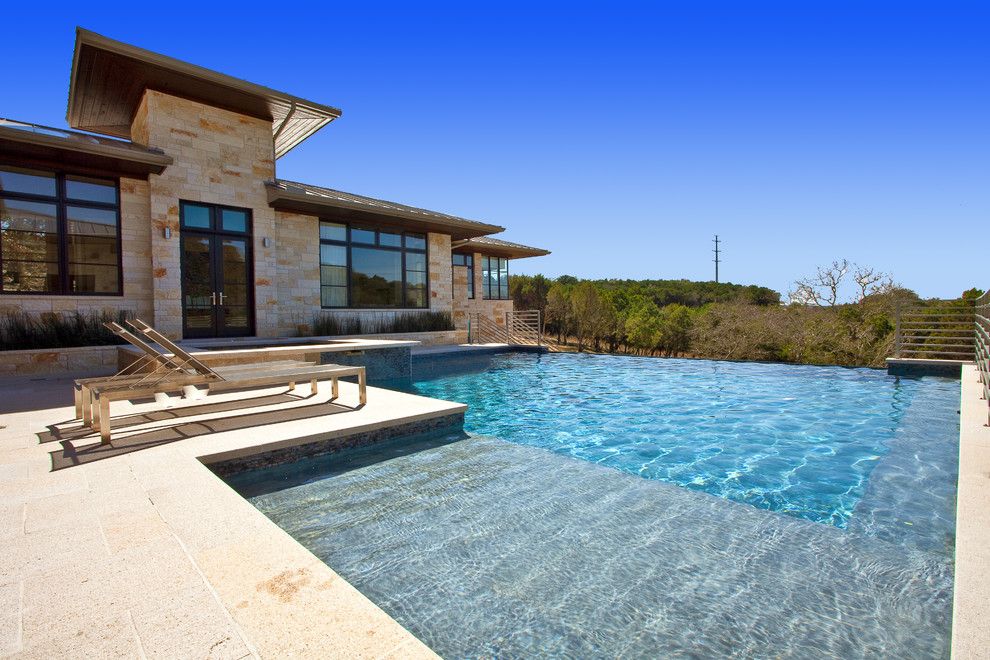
(981, 333)
(941, 331)
(522, 328)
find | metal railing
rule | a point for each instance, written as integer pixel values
(981, 327)
(942, 331)
(523, 328)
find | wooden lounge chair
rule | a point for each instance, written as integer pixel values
(152, 367)
(192, 371)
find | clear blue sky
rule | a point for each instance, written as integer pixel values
(621, 136)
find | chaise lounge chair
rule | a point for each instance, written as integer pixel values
(181, 369)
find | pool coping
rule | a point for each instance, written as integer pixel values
(971, 591)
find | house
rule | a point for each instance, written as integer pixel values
(169, 206)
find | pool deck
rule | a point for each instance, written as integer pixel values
(971, 596)
(149, 554)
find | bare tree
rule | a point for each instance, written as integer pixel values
(823, 288)
(870, 281)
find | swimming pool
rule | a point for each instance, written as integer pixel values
(715, 509)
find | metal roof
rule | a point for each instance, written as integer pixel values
(499, 248)
(109, 78)
(21, 140)
(327, 202)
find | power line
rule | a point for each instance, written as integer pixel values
(717, 260)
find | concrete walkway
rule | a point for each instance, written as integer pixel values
(971, 596)
(150, 555)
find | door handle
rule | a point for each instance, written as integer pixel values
(221, 298)
(213, 298)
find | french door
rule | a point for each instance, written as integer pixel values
(217, 296)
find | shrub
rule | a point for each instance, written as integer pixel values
(381, 323)
(19, 331)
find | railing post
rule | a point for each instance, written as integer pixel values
(897, 329)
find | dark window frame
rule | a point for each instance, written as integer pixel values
(486, 284)
(348, 244)
(61, 202)
(215, 230)
(469, 264)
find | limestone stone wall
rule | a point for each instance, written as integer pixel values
(439, 267)
(220, 157)
(76, 361)
(297, 247)
(135, 238)
(464, 307)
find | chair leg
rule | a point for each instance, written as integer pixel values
(335, 388)
(87, 405)
(292, 386)
(363, 386)
(104, 420)
(314, 386)
(77, 399)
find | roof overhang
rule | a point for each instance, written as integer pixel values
(109, 79)
(28, 143)
(345, 207)
(498, 248)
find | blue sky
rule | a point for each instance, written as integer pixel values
(620, 136)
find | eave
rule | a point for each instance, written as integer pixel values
(347, 207)
(41, 145)
(109, 78)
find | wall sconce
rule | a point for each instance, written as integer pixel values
(168, 233)
(267, 242)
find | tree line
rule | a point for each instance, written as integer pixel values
(723, 321)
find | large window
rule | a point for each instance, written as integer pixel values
(468, 261)
(495, 278)
(372, 268)
(59, 233)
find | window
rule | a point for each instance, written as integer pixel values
(495, 278)
(468, 261)
(371, 268)
(59, 233)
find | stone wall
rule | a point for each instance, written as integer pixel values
(297, 278)
(220, 157)
(136, 249)
(464, 307)
(76, 361)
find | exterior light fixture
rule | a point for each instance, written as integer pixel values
(168, 233)
(267, 242)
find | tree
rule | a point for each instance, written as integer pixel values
(675, 329)
(590, 314)
(643, 325)
(823, 288)
(558, 310)
(871, 281)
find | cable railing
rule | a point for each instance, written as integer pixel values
(981, 328)
(940, 331)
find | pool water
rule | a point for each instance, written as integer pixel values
(631, 507)
(795, 439)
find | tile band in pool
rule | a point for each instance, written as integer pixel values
(441, 424)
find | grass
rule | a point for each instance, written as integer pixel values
(381, 323)
(19, 331)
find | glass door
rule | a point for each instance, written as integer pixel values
(217, 296)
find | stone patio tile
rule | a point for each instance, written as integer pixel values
(11, 520)
(58, 510)
(257, 584)
(133, 528)
(190, 623)
(49, 548)
(10, 633)
(91, 634)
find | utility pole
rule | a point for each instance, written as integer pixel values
(717, 260)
